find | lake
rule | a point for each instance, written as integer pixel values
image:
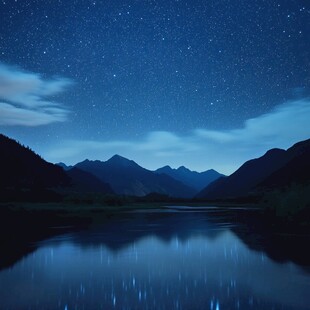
(177, 258)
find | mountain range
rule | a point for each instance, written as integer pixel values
(276, 176)
(26, 175)
(128, 178)
(194, 179)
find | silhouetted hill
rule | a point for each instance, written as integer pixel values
(297, 170)
(25, 175)
(128, 178)
(276, 164)
(287, 191)
(194, 179)
(64, 166)
(83, 181)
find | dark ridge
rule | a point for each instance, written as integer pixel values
(197, 180)
(276, 168)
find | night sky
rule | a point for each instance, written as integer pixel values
(205, 84)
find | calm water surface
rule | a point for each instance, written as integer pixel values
(155, 260)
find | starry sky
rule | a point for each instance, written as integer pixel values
(205, 84)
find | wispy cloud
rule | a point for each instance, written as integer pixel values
(281, 126)
(201, 149)
(25, 98)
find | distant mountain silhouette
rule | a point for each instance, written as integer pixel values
(25, 175)
(196, 180)
(128, 178)
(276, 176)
(277, 167)
(64, 166)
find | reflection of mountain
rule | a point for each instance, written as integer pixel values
(280, 247)
(122, 230)
(118, 231)
(21, 229)
(142, 258)
(197, 180)
(128, 178)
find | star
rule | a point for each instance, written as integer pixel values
(132, 61)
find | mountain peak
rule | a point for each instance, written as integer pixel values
(211, 170)
(164, 169)
(193, 179)
(184, 169)
(118, 157)
(120, 160)
(128, 178)
(63, 166)
(274, 152)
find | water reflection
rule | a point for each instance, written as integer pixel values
(153, 261)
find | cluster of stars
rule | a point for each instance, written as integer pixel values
(162, 65)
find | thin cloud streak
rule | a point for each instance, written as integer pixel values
(11, 115)
(202, 149)
(24, 98)
(281, 126)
